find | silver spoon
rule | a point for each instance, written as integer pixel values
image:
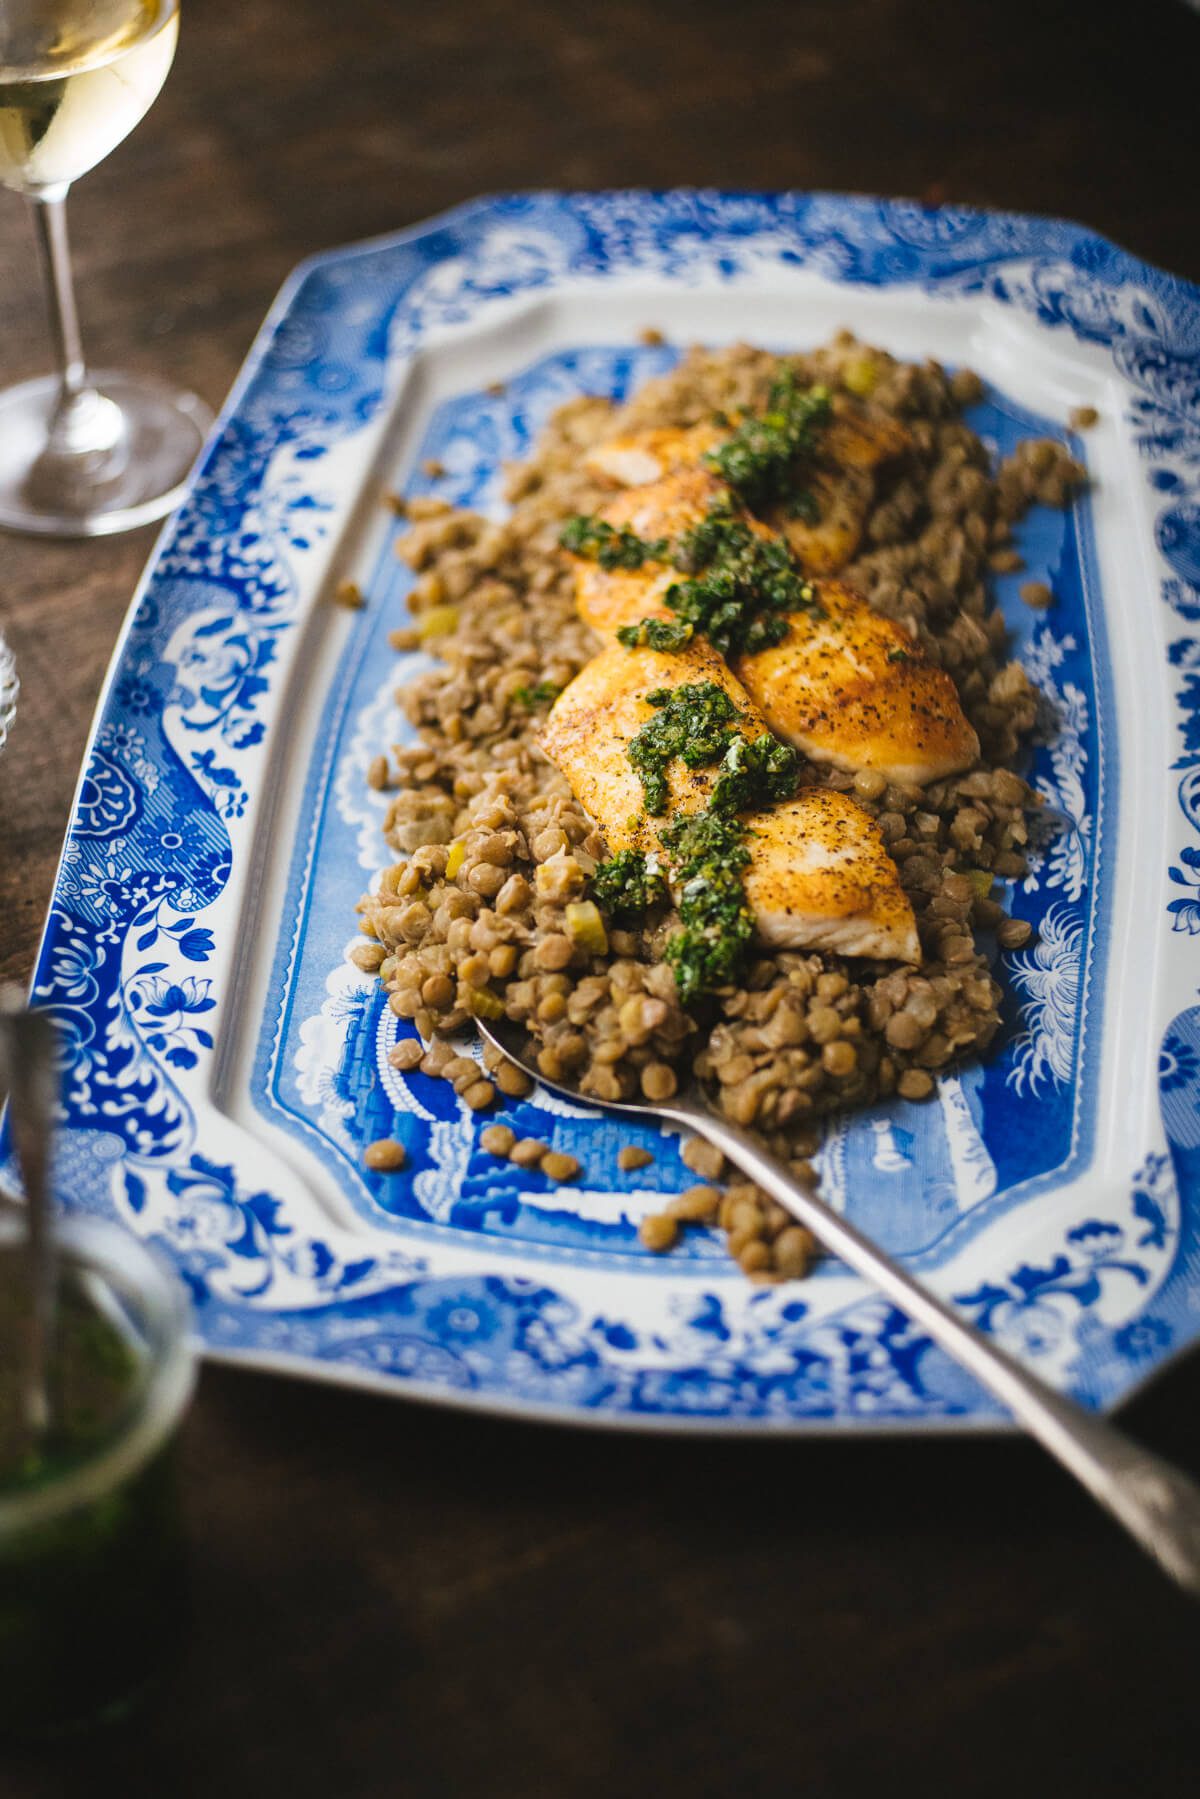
(26, 1066)
(1157, 1504)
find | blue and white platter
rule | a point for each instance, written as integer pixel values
(225, 1065)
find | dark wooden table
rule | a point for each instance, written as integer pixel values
(390, 1599)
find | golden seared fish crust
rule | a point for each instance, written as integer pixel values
(607, 598)
(852, 445)
(851, 687)
(641, 457)
(819, 874)
(596, 717)
(858, 438)
(843, 498)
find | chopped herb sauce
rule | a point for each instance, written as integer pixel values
(804, 507)
(628, 885)
(739, 591)
(741, 587)
(544, 694)
(656, 634)
(759, 459)
(706, 850)
(709, 859)
(693, 722)
(754, 772)
(586, 535)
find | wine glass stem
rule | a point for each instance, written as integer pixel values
(85, 439)
(50, 216)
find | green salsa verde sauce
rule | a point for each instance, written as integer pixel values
(91, 1597)
(738, 587)
(705, 851)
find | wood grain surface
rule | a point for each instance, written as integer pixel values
(394, 1600)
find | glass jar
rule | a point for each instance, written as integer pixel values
(92, 1592)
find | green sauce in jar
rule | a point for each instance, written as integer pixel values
(91, 1572)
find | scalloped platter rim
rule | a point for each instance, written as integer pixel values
(223, 1063)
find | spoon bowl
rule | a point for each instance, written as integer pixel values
(513, 1042)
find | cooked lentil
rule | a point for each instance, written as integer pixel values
(385, 1156)
(476, 919)
(557, 1166)
(695, 1204)
(528, 1152)
(795, 1248)
(658, 1232)
(497, 1140)
(703, 1158)
(632, 1157)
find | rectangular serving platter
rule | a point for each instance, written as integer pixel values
(225, 1064)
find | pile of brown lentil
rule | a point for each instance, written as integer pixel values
(487, 913)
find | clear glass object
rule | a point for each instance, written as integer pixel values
(92, 1593)
(9, 689)
(83, 453)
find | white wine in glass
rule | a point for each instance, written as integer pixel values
(83, 454)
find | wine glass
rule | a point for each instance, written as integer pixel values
(83, 454)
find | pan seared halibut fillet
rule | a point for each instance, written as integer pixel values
(819, 875)
(840, 478)
(845, 685)
(852, 688)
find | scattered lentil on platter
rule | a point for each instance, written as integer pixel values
(632, 1157)
(528, 1152)
(385, 1156)
(658, 1232)
(497, 1140)
(694, 1204)
(557, 1166)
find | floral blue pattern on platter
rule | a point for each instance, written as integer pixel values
(225, 1065)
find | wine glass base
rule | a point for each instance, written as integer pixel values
(164, 431)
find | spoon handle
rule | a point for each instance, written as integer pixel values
(1157, 1504)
